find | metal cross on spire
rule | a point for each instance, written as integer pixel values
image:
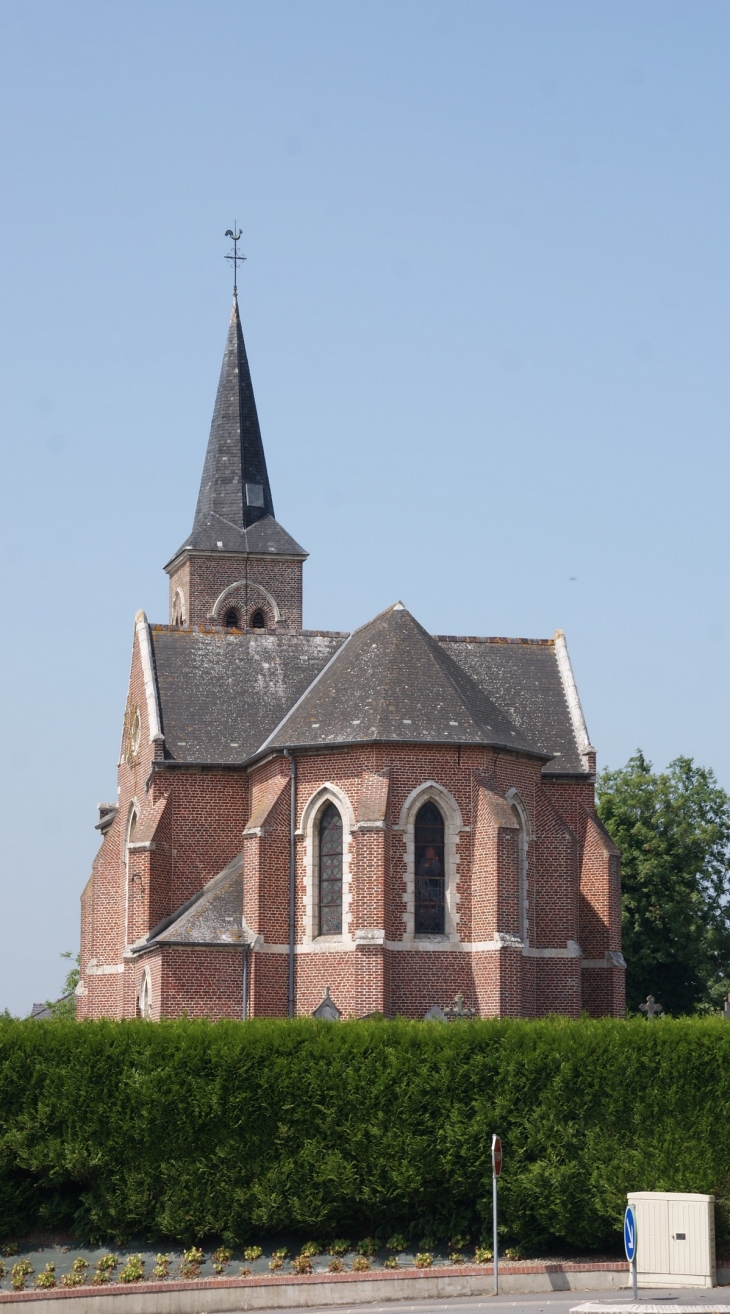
(233, 255)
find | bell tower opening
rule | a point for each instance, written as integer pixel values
(231, 620)
(258, 620)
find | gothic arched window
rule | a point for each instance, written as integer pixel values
(519, 817)
(258, 621)
(330, 872)
(430, 884)
(231, 621)
(145, 995)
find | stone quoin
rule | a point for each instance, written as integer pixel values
(433, 797)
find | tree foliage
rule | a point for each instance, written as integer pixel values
(673, 830)
(65, 1007)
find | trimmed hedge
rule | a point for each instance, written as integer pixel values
(187, 1130)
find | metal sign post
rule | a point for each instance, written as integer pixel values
(630, 1239)
(496, 1172)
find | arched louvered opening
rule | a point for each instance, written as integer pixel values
(430, 883)
(231, 620)
(258, 620)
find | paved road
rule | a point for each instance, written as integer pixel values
(556, 1302)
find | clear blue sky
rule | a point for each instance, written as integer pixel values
(487, 307)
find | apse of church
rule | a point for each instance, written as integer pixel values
(317, 822)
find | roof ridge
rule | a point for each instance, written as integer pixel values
(438, 655)
(491, 638)
(309, 687)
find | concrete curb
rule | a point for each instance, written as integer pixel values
(645, 1307)
(221, 1295)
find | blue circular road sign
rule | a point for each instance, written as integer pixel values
(630, 1233)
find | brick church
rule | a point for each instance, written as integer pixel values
(311, 821)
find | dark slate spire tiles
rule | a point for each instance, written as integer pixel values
(235, 511)
(235, 483)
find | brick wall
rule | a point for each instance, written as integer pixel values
(201, 580)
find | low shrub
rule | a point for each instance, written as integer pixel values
(47, 1278)
(424, 1259)
(191, 1261)
(339, 1246)
(252, 1253)
(133, 1270)
(77, 1274)
(18, 1274)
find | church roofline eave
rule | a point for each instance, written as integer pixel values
(137, 951)
(187, 552)
(584, 776)
(264, 754)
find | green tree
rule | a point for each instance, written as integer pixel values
(673, 830)
(66, 1005)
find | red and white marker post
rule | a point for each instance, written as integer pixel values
(496, 1172)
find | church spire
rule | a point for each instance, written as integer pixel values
(238, 569)
(234, 489)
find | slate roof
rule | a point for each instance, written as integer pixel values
(222, 694)
(391, 681)
(523, 678)
(214, 534)
(235, 477)
(213, 916)
(228, 697)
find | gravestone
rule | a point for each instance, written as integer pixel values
(327, 1011)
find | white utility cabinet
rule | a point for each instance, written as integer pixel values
(675, 1239)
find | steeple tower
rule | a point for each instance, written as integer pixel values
(238, 568)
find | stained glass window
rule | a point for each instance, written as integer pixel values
(430, 890)
(330, 872)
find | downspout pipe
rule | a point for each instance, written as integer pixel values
(292, 872)
(244, 1001)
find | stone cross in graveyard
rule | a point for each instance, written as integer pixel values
(651, 1008)
(459, 1009)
